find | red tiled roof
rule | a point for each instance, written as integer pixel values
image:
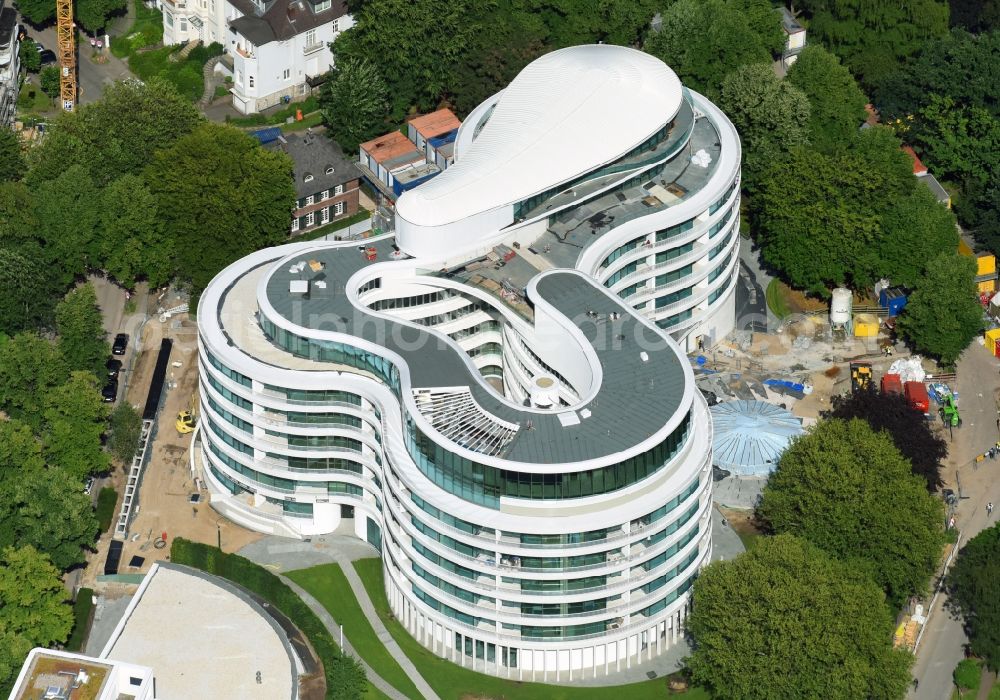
(436, 123)
(391, 145)
(918, 167)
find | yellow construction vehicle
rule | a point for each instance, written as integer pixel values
(861, 377)
(186, 420)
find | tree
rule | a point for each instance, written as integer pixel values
(98, 138)
(872, 36)
(348, 676)
(218, 188)
(354, 103)
(33, 611)
(943, 314)
(703, 41)
(93, 15)
(36, 11)
(47, 509)
(81, 331)
(823, 227)
(915, 229)
(19, 450)
(68, 211)
(975, 15)
(974, 589)
(770, 114)
(125, 428)
(75, 418)
(30, 57)
(134, 242)
(30, 367)
(849, 491)
(783, 620)
(967, 675)
(49, 80)
(837, 105)
(11, 160)
(907, 428)
(26, 292)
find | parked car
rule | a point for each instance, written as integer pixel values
(88, 485)
(39, 46)
(48, 57)
(114, 367)
(121, 342)
(110, 391)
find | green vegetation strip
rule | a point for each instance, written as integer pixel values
(776, 302)
(345, 678)
(279, 116)
(452, 682)
(82, 610)
(335, 226)
(107, 499)
(329, 586)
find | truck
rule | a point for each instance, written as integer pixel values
(891, 384)
(916, 394)
(949, 412)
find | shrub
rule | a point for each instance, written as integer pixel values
(82, 608)
(967, 675)
(345, 677)
(107, 499)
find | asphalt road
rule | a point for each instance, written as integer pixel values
(941, 647)
(751, 305)
(91, 77)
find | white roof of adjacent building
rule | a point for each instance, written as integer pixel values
(202, 640)
(565, 114)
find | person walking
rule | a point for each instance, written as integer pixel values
(989, 508)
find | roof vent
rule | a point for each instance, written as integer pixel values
(644, 356)
(329, 170)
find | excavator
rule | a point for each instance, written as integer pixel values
(949, 412)
(186, 420)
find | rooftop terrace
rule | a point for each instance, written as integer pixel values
(57, 676)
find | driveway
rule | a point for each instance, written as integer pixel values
(751, 306)
(91, 77)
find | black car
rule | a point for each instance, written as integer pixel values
(121, 342)
(47, 57)
(110, 391)
(114, 367)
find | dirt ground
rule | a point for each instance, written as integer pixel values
(167, 484)
(741, 521)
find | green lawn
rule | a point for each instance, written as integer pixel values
(147, 31)
(452, 682)
(308, 122)
(329, 586)
(185, 75)
(312, 235)
(107, 499)
(776, 299)
(82, 609)
(32, 99)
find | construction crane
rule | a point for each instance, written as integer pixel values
(67, 53)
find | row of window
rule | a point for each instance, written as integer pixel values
(673, 297)
(316, 395)
(279, 482)
(229, 396)
(407, 302)
(484, 485)
(323, 196)
(241, 379)
(300, 222)
(671, 321)
(331, 441)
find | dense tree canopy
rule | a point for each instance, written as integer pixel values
(33, 611)
(974, 591)
(943, 315)
(81, 331)
(26, 292)
(133, 240)
(11, 160)
(849, 491)
(706, 40)
(124, 430)
(770, 114)
(975, 15)
(784, 620)
(75, 416)
(221, 196)
(873, 36)
(826, 219)
(907, 427)
(68, 211)
(354, 102)
(91, 14)
(836, 103)
(30, 367)
(914, 229)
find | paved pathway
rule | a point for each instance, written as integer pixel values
(336, 632)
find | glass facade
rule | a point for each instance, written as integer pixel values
(484, 485)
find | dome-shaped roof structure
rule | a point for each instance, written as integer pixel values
(751, 435)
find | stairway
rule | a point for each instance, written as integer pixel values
(208, 73)
(185, 52)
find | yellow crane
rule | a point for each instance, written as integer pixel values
(67, 53)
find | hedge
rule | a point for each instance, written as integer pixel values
(345, 677)
(107, 499)
(82, 608)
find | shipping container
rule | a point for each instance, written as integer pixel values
(893, 300)
(891, 384)
(993, 341)
(916, 394)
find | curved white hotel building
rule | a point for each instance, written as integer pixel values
(491, 395)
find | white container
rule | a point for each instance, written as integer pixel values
(840, 306)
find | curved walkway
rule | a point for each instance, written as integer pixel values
(281, 554)
(336, 631)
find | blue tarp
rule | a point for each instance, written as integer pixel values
(441, 140)
(399, 187)
(266, 136)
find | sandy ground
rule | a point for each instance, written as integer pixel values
(167, 484)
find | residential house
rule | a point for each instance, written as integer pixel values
(434, 134)
(10, 65)
(795, 37)
(925, 178)
(326, 181)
